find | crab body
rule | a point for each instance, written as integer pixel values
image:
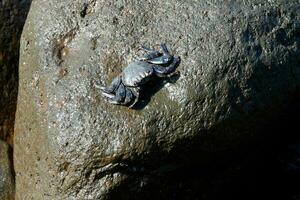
(137, 73)
(125, 88)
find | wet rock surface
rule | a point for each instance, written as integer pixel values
(239, 67)
(12, 14)
(6, 175)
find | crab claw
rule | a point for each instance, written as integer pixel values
(108, 95)
(114, 102)
(161, 60)
(150, 56)
(104, 90)
(157, 57)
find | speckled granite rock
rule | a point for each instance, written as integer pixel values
(240, 63)
(12, 14)
(6, 178)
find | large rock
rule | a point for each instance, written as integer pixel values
(240, 64)
(12, 14)
(7, 186)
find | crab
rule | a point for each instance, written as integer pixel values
(125, 88)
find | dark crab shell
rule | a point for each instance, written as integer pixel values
(137, 73)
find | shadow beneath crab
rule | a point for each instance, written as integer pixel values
(151, 88)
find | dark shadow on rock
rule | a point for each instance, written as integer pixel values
(265, 166)
(12, 14)
(151, 88)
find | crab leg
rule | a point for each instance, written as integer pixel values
(146, 49)
(166, 71)
(129, 96)
(120, 95)
(165, 49)
(152, 54)
(163, 59)
(108, 91)
(135, 92)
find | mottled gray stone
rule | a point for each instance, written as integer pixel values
(240, 64)
(7, 187)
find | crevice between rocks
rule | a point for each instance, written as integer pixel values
(13, 15)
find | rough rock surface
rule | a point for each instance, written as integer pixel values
(240, 64)
(12, 14)
(6, 178)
